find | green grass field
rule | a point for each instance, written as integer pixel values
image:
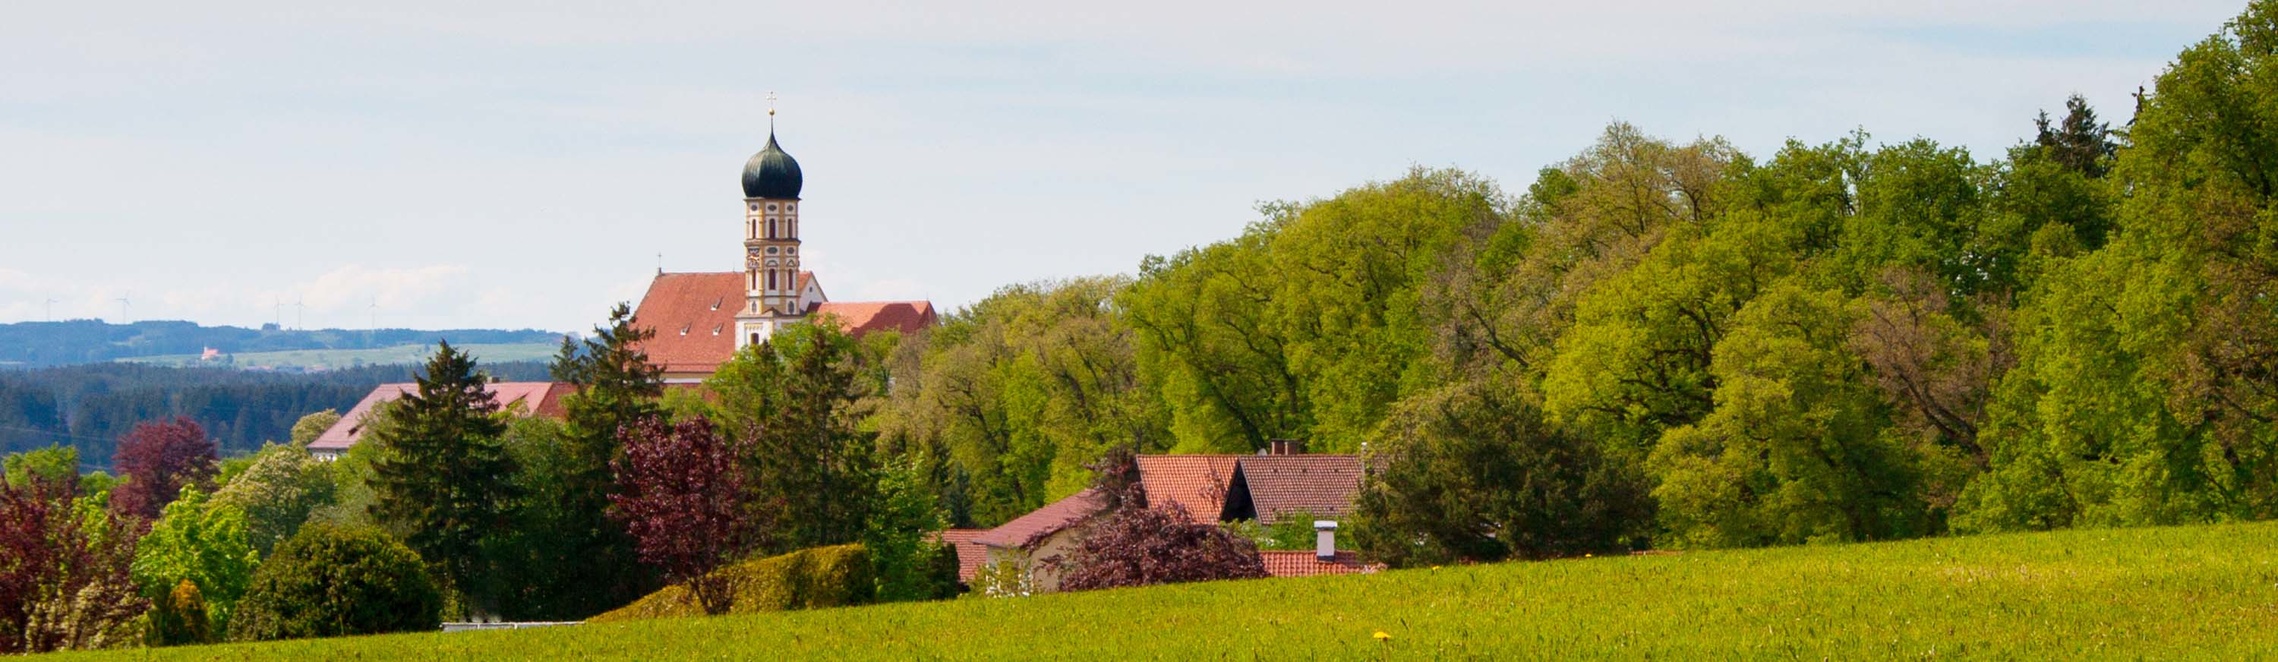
(334, 359)
(2187, 592)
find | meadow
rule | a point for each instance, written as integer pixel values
(2201, 592)
(337, 359)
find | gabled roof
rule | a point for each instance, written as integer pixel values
(1307, 564)
(1323, 485)
(861, 317)
(1053, 518)
(694, 317)
(528, 398)
(1196, 482)
(970, 555)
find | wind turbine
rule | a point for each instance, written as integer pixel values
(300, 309)
(50, 311)
(280, 311)
(123, 318)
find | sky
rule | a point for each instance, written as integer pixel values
(459, 164)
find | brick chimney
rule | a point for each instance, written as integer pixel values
(1325, 540)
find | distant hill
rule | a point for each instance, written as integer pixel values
(74, 342)
(90, 406)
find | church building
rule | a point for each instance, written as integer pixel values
(702, 319)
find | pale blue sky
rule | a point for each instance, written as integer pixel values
(522, 164)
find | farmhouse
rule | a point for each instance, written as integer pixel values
(1279, 484)
(702, 319)
(522, 398)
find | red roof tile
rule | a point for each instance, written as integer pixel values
(1052, 518)
(529, 398)
(1197, 482)
(1307, 564)
(694, 317)
(1323, 485)
(970, 555)
(861, 317)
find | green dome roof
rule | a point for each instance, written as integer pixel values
(771, 173)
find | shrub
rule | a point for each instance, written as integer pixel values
(330, 581)
(1134, 545)
(835, 576)
(157, 460)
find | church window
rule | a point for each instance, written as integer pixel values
(771, 279)
(755, 338)
(771, 206)
(771, 228)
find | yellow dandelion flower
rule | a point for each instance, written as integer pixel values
(1381, 636)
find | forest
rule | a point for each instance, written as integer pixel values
(1676, 344)
(89, 407)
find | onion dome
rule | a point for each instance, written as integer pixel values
(771, 173)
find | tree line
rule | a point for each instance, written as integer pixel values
(1682, 345)
(89, 407)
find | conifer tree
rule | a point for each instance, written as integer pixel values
(443, 478)
(586, 563)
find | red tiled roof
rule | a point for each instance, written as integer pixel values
(861, 317)
(1197, 482)
(970, 555)
(530, 398)
(1052, 518)
(1323, 485)
(694, 317)
(1307, 564)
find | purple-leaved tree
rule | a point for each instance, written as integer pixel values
(678, 490)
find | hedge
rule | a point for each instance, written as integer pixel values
(806, 579)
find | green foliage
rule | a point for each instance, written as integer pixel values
(443, 477)
(815, 578)
(51, 463)
(1006, 401)
(1307, 325)
(1797, 449)
(1473, 472)
(328, 581)
(203, 542)
(278, 491)
(798, 399)
(2143, 392)
(901, 538)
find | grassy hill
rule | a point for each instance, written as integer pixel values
(339, 359)
(2194, 592)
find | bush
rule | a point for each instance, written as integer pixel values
(836, 576)
(330, 581)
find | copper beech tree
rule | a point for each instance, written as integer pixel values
(1135, 545)
(158, 459)
(678, 490)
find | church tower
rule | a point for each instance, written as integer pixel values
(774, 293)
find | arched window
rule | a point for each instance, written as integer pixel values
(755, 338)
(771, 279)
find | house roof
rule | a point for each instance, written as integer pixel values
(694, 317)
(1323, 485)
(1306, 564)
(1196, 482)
(970, 555)
(861, 317)
(529, 398)
(1053, 518)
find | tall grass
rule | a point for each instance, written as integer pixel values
(2192, 592)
